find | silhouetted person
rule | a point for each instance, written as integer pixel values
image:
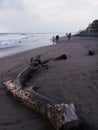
(53, 39)
(57, 38)
(69, 36)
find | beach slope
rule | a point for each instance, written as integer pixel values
(72, 80)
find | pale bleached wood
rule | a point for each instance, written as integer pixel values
(58, 114)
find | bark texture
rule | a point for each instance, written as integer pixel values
(58, 114)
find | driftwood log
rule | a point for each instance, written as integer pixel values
(61, 57)
(91, 52)
(60, 115)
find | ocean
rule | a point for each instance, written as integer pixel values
(12, 43)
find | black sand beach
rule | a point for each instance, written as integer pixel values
(72, 80)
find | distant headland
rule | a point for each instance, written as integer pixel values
(91, 30)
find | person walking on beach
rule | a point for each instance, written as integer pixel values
(69, 37)
(57, 38)
(53, 39)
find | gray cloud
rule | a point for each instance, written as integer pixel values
(46, 15)
(77, 4)
(11, 4)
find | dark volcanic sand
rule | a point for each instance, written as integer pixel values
(72, 80)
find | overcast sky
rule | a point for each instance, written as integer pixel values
(46, 15)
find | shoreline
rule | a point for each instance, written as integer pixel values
(22, 44)
(72, 80)
(20, 52)
(16, 49)
(21, 49)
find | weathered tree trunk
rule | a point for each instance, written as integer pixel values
(25, 74)
(91, 52)
(58, 114)
(61, 57)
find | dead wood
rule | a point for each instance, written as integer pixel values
(58, 114)
(61, 57)
(91, 52)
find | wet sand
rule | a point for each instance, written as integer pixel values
(72, 80)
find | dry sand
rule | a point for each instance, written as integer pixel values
(72, 80)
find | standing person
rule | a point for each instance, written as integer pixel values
(57, 38)
(53, 39)
(69, 36)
